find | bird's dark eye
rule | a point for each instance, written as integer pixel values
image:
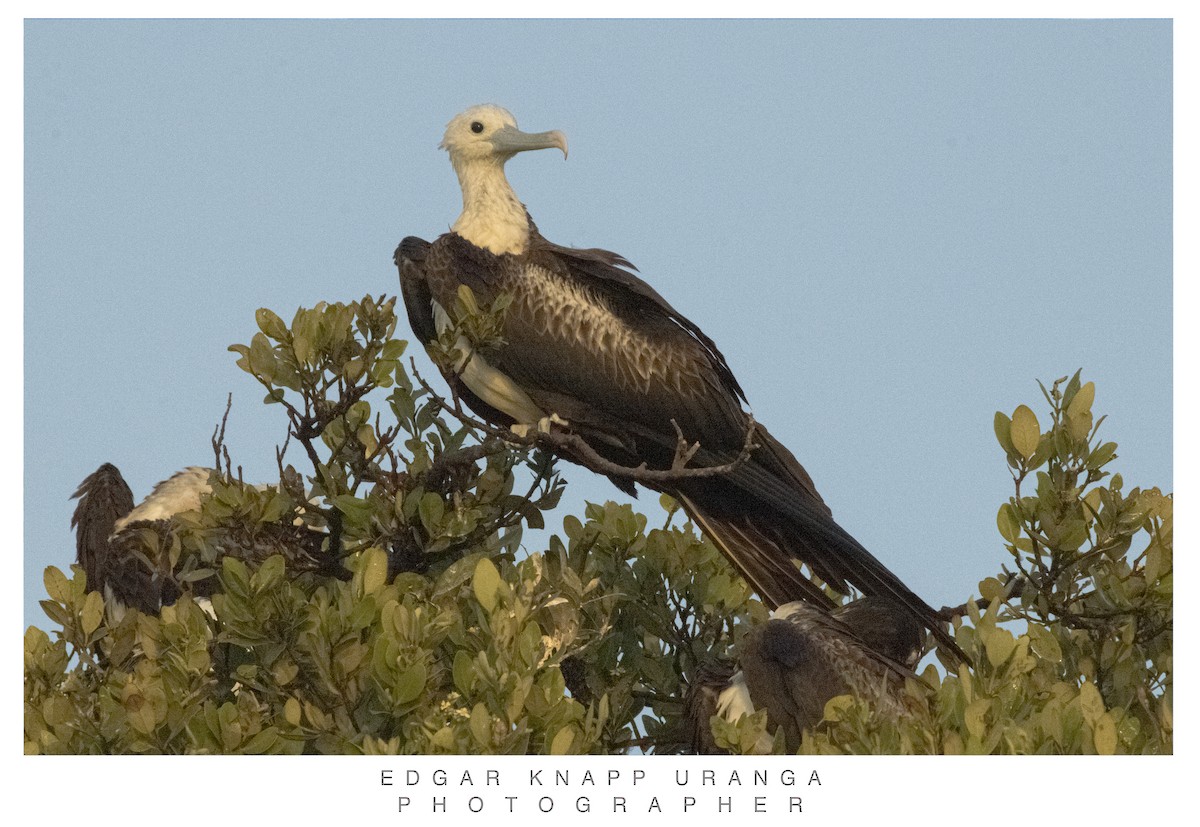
(476, 127)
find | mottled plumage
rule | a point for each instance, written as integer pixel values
(793, 664)
(587, 342)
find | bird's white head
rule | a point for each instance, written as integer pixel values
(480, 141)
(489, 133)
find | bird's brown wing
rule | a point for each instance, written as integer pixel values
(594, 344)
(104, 497)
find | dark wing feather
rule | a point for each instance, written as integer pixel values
(410, 259)
(700, 705)
(104, 497)
(882, 625)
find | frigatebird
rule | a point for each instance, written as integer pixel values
(793, 664)
(588, 348)
(111, 547)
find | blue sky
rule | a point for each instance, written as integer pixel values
(892, 229)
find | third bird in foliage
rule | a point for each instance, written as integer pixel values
(793, 664)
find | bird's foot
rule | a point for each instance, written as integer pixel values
(542, 426)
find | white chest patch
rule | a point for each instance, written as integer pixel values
(734, 701)
(489, 384)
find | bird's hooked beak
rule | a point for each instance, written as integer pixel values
(511, 140)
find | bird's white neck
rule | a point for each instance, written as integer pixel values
(492, 217)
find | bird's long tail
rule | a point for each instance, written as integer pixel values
(758, 555)
(766, 514)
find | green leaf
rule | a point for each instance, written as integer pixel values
(1003, 427)
(291, 711)
(1090, 702)
(263, 743)
(1074, 534)
(244, 352)
(999, 644)
(486, 583)
(837, 707)
(1072, 387)
(284, 671)
(56, 583)
(92, 613)
(356, 510)
(481, 725)
(234, 574)
(1043, 644)
(463, 672)
(57, 710)
(1081, 403)
(467, 297)
(1008, 523)
(374, 566)
(394, 349)
(270, 574)
(431, 510)
(262, 357)
(302, 346)
(975, 716)
(411, 683)
(1101, 455)
(561, 745)
(270, 324)
(990, 588)
(1104, 732)
(353, 369)
(1079, 425)
(1026, 432)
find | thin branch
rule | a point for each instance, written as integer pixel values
(281, 452)
(218, 438)
(574, 446)
(1012, 586)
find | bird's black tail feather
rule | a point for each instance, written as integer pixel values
(759, 556)
(766, 513)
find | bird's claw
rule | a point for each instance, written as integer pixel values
(542, 426)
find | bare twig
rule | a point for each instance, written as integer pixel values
(218, 438)
(281, 452)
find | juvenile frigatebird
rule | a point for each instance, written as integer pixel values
(793, 664)
(588, 348)
(111, 547)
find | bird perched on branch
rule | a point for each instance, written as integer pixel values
(793, 664)
(123, 549)
(619, 380)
